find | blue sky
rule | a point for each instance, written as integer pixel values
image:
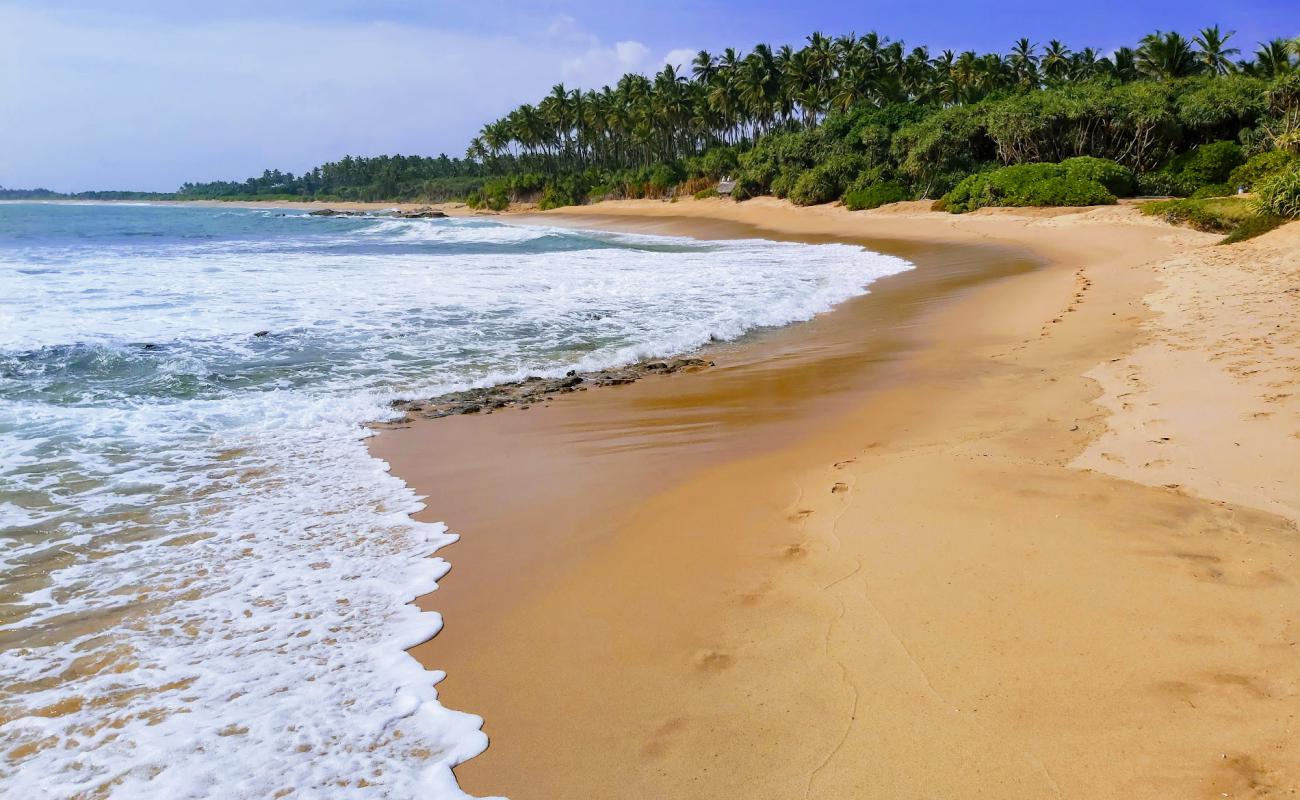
(149, 93)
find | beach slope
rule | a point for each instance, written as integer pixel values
(1019, 525)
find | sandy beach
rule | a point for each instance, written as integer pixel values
(1020, 523)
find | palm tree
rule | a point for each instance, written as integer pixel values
(1165, 56)
(1085, 65)
(1273, 60)
(1024, 60)
(1212, 53)
(1122, 64)
(704, 67)
(1056, 60)
(734, 98)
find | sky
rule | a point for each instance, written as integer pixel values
(147, 94)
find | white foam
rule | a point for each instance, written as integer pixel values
(232, 560)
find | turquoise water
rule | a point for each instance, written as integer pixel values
(204, 577)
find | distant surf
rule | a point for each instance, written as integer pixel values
(204, 577)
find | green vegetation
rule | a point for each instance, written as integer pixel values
(1186, 173)
(46, 194)
(1280, 195)
(867, 120)
(1238, 217)
(1214, 215)
(398, 178)
(874, 195)
(838, 116)
(1030, 185)
(1250, 227)
(1262, 166)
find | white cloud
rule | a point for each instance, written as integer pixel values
(134, 103)
(604, 64)
(631, 54)
(680, 58)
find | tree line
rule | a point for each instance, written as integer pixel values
(732, 98)
(355, 178)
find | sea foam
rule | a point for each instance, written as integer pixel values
(207, 578)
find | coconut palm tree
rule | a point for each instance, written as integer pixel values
(1212, 51)
(1056, 61)
(1165, 56)
(1024, 61)
(1273, 59)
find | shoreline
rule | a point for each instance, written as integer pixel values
(891, 578)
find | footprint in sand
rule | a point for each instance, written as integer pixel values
(793, 551)
(839, 488)
(712, 661)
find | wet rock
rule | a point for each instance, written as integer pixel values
(535, 389)
(423, 212)
(330, 212)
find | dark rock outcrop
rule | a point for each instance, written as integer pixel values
(535, 389)
(330, 212)
(424, 212)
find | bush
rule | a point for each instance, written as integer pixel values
(874, 196)
(1262, 167)
(785, 180)
(1215, 214)
(663, 177)
(1213, 190)
(1235, 216)
(495, 195)
(1280, 195)
(1026, 185)
(745, 188)
(1185, 173)
(1117, 179)
(704, 194)
(714, 163)
(817, 185)
(1252, 227)
(1218, 107)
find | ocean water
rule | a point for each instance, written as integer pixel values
(204, 577)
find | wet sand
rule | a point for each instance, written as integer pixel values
(876, 554)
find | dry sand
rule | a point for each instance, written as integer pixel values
(991, 531)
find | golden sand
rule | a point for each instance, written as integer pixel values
(1019, 524)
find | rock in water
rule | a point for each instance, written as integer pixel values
(534, 389)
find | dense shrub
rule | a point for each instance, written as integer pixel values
(935, 152)
(1185, 173)
(1216, 108)
(704, 194)
(714, 163)
(1215, 215)
(495, 195)
(1214, 190)
(564, 190)
(1026, 185)
(817, 185)
(745, 188)
(663, 177)
(1252, 227)
(1133, 124)
(784, 181)
(1118, 180)
(1280, 195)
(1238, 217)
(875, 195)
(1262, 166)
